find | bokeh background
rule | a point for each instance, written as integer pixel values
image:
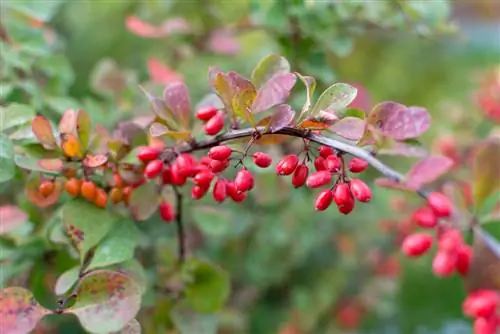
(292, 270)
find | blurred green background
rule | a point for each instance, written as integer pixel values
(291, 269)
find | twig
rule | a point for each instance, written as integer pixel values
(181, 236)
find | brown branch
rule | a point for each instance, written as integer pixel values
(181, 235)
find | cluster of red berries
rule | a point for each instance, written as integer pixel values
(483, 307)
(213, 119)
(328, 164)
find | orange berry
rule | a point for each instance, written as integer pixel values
(101, 198)
(88, 190)
(46, 188)
(73, 186)
(116, 195)
(118, 181)
(127, 191)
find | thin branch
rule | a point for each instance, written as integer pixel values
(306, 134)
(181, 236)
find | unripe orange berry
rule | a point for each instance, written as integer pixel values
(73, 187)
(101, 198)
(116, 195)
(127, 191)
(118, 181)
(88, 190)
(46, 188)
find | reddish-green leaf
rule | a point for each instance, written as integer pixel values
(43, 132)
(268, 67)
(160, 109)
(144, 201)
(351, 128)
(159, 130)
(53, 165)
(106, 301)
(19, 311)
(93, 161)
(49, 166)
(223, 88)
(391, 184)
(242, 102)
(484, 272)
(428, 170)
(10, 218)
(310, 84)
(282, 116)
(334, 98)
(486, 166)
(66, 280)
(132, 327)
(176, 97)
(273, 92)
(402, 149)
(68, 122)
(84, 128)
(160, 73)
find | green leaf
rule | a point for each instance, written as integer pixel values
(213, 222)
(35, 9)
(86, 224)
(49, 166)
(61, 104)
(207, 286)
(187, 321)
(7, 167)
(489, 205)
(268, 67)
(84, 128)
(353, 112)
(15, 115)
(118, 246)
(133, 327)
(144, 201)
(19, 311)
(485, 170)
(66, 280)
(336, 97)
(106, 301)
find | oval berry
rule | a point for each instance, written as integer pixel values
(323, 200)
(357, 165)
(333, 163)
(319, 164)
(166, 211)
(287, 165)
(101, 198)
(450, 241)
(300, 176)
(464, 257)
(206, 113)
(444, 264)
(46, 188)
(148, 154)
(440, 204)
(360, 190)
(343, 198)
(219, 192)
(218, 166)
(198, 192)
(116, 195)
(214, 124)
(221, 152)
(236, 195)
(166, 176)
(153, 169)
(243, 180)
(425, 217)
(489, 325)
(319, 179)
(481, 303)
(177, 177)
(204, 178)
(325, 151)
(262, 160)
(416, 244)
(185, 163)
(72, 187)
(88, 190)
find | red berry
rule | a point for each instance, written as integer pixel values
(319, 164)
(206, 113)
(440, 204)
(357, 165)
(262, 160)
(198, 192)
(204, 178)
(153, 169)
(323, 200)
(167, 211)
(148, 154)
(177, 178)
(464, 256)
(486, 325)
(343, 198)
(235, 194)
(444, 264)
(287, 165)
(218, 166)
(205, 161)
(166, 176)
(481, 303)
(333, 163)
(425, 217)
(46, 188)
(360, 190)
(214, 124)
(450, 241)
(221, 152)
(325, 151)
(300, 176)
(219, 192)
(319, 179)
(186, 164)
(416, 244)
(243, 180)
(88, 190)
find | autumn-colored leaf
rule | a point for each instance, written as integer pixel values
(147, 30)
(428, 170)
(486, 167)
(132, 327)
(106, 301)
(351, 128)
(223, 41)
(176, 97)
(43, 132)
(336, 97)
(310, 84)
(68, 122)
(160, 109)
(403, 149)
(32, 192)
(269, 67)
(282, 116)
(210, 100)
(10, 218)
(273, 92)
(223, 88)
(47, 166)
(144, 201)
(54, 165)
(391, 184)
(70, 146)
(83, 128)
(160, 73)
(484, 271)
(318, 123)
(158, 130)
(19, 311)
(93, 161)
(242, 101)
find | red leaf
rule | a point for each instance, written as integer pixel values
(273, 92)
(43, 131)
(391, 184)
(283, 115)
(428, 170)
(68, 122)
(223, 41)
(10, 217)
(160, 73)
(19, 311)
(144, 29)
(176, 97)
(351, 128)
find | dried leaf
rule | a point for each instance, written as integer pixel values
(106, 301)
(273, 92)
(282, 116)
(93, 161)
(176, 97)
(10, 218)
(269, 67)
(43, 132)
(428, 170)
(484, 271)
(486, 167)
(336, 97)
(19, 311)
(144, 201)
(160, 73)
(84, 128)
(351, 128)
